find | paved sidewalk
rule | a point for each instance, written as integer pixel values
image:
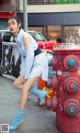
(36, 119)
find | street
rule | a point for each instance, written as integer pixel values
(36, 119)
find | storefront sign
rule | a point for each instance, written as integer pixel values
(7, 14)
(66, 2)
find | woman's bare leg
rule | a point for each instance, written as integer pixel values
(26, 87)
(19, 82)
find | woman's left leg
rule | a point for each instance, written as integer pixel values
(26, 87)
(19, 117)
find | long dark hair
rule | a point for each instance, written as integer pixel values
(17, 20)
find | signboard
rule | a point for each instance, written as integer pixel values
(7, 14)
(66, 2)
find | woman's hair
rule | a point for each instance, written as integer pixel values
(17, 20)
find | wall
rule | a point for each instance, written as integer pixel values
(51, 8)
(9, 5)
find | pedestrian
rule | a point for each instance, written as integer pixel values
(34, 65)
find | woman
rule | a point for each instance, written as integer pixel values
(33, 67)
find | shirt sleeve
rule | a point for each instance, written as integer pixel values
(29, 61)
(21, 66)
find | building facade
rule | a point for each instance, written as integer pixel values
(58, 18)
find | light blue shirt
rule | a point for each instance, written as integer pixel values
(31, 66)
(26, 53)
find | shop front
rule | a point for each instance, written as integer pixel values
(55, 25)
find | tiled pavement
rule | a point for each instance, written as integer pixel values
(36, 119)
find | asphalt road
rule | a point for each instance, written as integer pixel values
(36, 119)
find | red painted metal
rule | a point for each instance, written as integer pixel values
(46, 45)
(67, 100)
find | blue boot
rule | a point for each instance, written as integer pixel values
(41, 93)
(17, 121)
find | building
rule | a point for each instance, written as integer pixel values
(54, 18)
(7, 8)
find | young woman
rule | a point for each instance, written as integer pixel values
(33, 67)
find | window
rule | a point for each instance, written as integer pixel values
(72, 34)
(38, 2)
(38, 36)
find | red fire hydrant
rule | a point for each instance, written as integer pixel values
(66, 103)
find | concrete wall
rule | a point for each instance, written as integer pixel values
(51, 8)
(41, 15)
(54, 8)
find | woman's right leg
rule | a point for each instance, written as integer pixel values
(40, 93)
(19, 117)
(19, 82)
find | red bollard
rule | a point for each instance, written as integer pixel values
(66, 103)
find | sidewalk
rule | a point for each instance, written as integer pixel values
(36, 119)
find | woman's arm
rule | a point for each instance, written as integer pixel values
(29, 55)
(26, 40)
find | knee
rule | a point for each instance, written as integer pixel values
(25, 90)
(15, 84)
